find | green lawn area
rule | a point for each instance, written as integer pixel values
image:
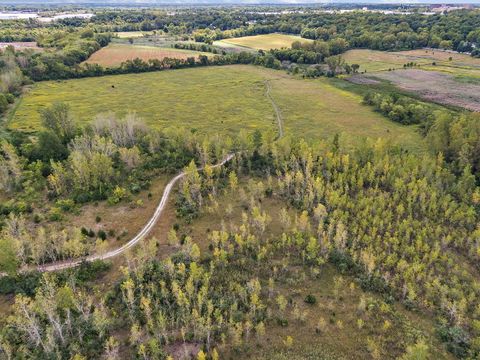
(263, 42)
(218, 100)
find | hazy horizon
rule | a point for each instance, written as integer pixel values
(223, 2)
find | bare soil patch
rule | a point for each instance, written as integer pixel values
(434, 86)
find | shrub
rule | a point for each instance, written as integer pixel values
(55, 214)
(65, 204)
(37, 218)
(119, 193)
(456, 339)
(310, 299)
(102, 234)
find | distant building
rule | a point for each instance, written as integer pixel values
(444, 8)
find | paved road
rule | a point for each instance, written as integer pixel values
(61, 265)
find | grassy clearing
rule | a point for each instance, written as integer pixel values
(318, 108)
(372, 60)
(442, 77)
(212, 100)
(115, 54)
(263, 42)
(133, 34)
(218, 100)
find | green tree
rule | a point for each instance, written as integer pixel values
(8, 257)
(59, 119)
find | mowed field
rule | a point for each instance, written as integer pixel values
(218, 100)
(115, 54)
(263, 42)
(132, 34)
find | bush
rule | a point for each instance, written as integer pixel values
(90, 270)
(65, 205)
(37, 218)
(102, 234)
(55, 214)
(25, 284)
(310, 299)
(456, 339)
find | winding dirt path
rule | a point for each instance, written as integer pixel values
(61, 265)
(278, 114)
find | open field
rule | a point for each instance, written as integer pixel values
(263, 42)
(457, 59)
(132, 34)
(115, 54)
(372, 60)
(435, 86)
(218, 100)
(453, 80)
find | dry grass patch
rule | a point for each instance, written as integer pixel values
(115, 54)
(435, 86)
(264, 42)
(125, 219)
(21, 45)
(133, 34)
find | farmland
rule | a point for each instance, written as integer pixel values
(212, 100)
(262, 42)
(115, 54)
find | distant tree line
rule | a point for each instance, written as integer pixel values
(199, 47)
